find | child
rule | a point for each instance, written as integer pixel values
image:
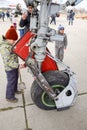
(60, 45)
(11, 64)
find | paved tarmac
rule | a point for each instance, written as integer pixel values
(75, 118)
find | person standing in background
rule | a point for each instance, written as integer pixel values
(53, 19)
(71, 17)
(25, 18)
(3, 16)
(61, 45)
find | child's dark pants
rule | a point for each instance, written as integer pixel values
(12, 81)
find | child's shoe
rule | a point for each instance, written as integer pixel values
(12, 100)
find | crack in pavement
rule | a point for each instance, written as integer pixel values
(80, 94)
(21, 106)
(10, 108)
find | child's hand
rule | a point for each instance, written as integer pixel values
(24, 16)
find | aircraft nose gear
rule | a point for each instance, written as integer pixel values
(63, 85)
(52, 88)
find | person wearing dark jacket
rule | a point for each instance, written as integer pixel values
(53, 19)
(71, 17)
(25, 18)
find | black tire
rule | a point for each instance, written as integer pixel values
(58, 81)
